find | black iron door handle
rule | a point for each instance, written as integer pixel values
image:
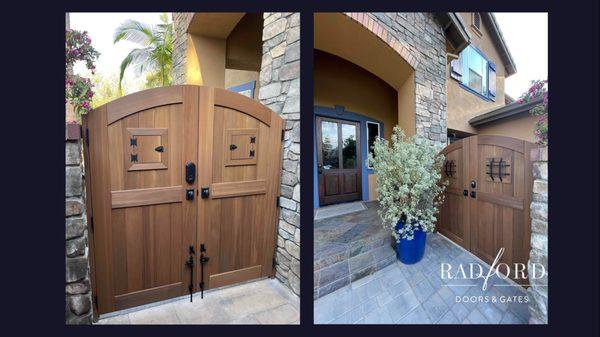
(159, 148)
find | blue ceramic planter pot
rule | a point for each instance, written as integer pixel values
(411, 251)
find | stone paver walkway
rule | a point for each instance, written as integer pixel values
(349, 247)
(416, 294)
(261, 302)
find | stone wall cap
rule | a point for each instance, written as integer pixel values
(72, 131)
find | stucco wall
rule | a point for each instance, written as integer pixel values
(339, 82)
(463, 104)
(520, 126)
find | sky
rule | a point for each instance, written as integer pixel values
(101, 27)
(525, 33)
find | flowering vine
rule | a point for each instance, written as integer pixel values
(78, 90)
(536, 90)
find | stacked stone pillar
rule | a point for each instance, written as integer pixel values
(280, 91)
(538, 292)
(78, 304)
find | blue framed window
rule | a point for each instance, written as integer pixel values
(246, 89)
(475, 73)
(372, 133)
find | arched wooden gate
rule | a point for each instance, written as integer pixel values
(183, 183)
(488, 197)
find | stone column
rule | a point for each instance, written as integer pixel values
(538, 292)
(78, 304)
(180, 46)
(280, 91)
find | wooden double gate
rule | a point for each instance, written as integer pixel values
(183, 184)
(487, 200)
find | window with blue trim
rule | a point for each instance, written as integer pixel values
(372, 134)
(475, 72)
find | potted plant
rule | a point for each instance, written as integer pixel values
(410, 191)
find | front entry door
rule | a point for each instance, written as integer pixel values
(177, 173)
(338, 160)
(487, 201)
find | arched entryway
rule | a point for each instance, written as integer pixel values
(363, 86)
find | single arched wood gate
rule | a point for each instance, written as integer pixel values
(183, 184)
(487, 200)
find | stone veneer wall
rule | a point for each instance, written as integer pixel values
(421, 41)
(78, 306)
(180, 24)
(280, 91)
(538, 295)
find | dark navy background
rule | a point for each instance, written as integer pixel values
(33, 167)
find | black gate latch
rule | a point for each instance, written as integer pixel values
(204, 192)
(203, 260)
(190, 264)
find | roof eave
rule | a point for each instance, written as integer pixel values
(498, 38)
(504, 112)
(455, 30)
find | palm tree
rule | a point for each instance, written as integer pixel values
(155, 54)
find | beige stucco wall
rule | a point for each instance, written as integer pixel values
(339, 82)
(520, 126)
(463, 104)
(235, 77)
(225, 59)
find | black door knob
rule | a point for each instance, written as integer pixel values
(473, 184)
(473, 194)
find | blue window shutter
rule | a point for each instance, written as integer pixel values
(492, 80)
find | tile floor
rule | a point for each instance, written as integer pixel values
(416, 294)
(260, 302)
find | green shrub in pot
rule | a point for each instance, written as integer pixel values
(408, 182)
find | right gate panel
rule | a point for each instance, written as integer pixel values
(238, 218)
(487, 199)
(500, 212)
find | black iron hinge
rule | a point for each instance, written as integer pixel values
(92, 222)
(277, 202)
(282, 134)
(87, 137)
(274, 262)
(96, 300)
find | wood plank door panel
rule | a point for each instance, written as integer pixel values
(495, 214)
(454, 220)
(338, 160)
(145, 222)
(143, 225)
(240, 163)
(504, 186)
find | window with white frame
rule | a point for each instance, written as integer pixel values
(372, 134)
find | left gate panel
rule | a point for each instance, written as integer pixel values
(144, 225)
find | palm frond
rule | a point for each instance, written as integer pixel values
(134, 31)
